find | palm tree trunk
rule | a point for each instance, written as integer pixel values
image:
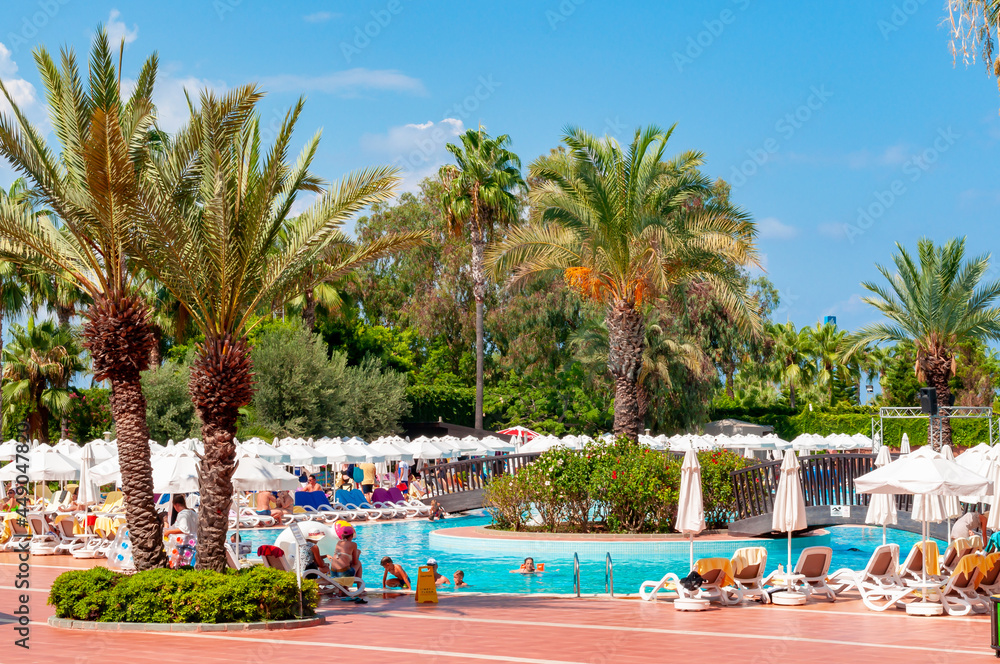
(479, 292)
(221, 383)
(791, 395)
(626, 336)
(155, 356)
(64, 314)
(118, 337)
(937, 370)
(729, 385)
(309, 310)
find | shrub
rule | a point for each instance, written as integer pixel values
(169, 409)
(506, 500)
(89, 414)
(181, 595)
(638, 486)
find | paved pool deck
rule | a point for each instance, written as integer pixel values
(523, 629)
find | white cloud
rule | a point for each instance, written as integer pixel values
(171, 105)
(770, 228)
(319, 17)
(22, 91)
(852, 305)
(117, 30)
(834, 230)
(894, 155)
(346, 83)
(417, 149)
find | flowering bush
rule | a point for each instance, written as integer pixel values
(716, 486)
(636, 486)
(506, 500)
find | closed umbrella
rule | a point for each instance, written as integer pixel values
(789, 503)
(882, 508)
(952, 507)
(88, 491)
(691, 507)
(904, 446)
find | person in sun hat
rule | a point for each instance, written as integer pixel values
(346, 560)
(312, 558)
(439, 579)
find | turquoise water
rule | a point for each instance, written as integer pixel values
(407, 542)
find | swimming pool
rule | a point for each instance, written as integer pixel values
(487, 568)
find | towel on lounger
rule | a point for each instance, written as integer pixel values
(270, 550)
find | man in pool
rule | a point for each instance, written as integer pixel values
(439, 579)
(460, 580)
(399, 580)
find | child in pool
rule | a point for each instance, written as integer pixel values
(460, 580)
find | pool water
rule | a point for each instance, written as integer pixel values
(408, 543)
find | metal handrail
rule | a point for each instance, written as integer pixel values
(576, 574)
(609, 575)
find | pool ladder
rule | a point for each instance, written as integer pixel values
(609, 575)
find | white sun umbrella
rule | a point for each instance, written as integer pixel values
(176, 474)
(691, 506)
(341, 453)
(269, 453)
(8, 450)
(88, 491)
(789, 503)
(952, 507)
(924, 472)
(497, 444)
(106, 472)
(301, 455)
(255, 474)
(389, 451)
(425, 448)
(45, 464)
(882, 507)
(904, 445)
(540, 444)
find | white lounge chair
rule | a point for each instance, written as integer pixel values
(749, 564)
(340, 584)
(43, 541)
(878, 583)
(913, 567)
(716, 572)
(959, 595)
(814, 565)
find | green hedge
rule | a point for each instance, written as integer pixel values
(182, 596)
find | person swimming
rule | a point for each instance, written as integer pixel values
(528, 567)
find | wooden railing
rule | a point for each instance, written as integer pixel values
(472, 474)
(827, 479)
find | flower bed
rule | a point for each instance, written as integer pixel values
(252, 595)
(623, 487)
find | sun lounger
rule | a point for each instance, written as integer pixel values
(70, 540)
(342, 584)
(418, 508)
(356, 502)
(43, 542)
(959, 547)
(716, 572)
(382, 500)
(990, 583)
(814, 565)
(959, 595)
(318, 507)
(749, 564)
(879, 583)
(913, 566)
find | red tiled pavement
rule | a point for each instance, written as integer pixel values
(540, 630)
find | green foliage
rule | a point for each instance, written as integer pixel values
(506, 501)
(717, 488)
(170, 412)
(181, 596)
(89, 414)
(300, 391)
(637, 487)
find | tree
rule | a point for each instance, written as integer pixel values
(13, 297)
(94, 189)
(827, 346)
(792, 355)
(622, 226)
(975, 25)
(936, 304)
(480, 194)
(229, 247)
(37, 365)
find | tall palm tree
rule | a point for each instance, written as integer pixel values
(13, 295)
(623, 225)
(480, 196)
(936, 304)
(228, 248)
(93, 187)
(827, 345)
(792, 357)
(38, 363)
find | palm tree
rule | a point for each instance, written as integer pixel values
(13, 297)
(480, 196)
(93, 187)
(622, 226)
(827, 345)
(936, 304)
(38, 363)
(228, 249)
(792, 357)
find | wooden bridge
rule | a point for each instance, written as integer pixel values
(828, 488)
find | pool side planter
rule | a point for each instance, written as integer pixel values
(66, 623)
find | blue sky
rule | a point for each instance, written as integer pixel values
(843, 127)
